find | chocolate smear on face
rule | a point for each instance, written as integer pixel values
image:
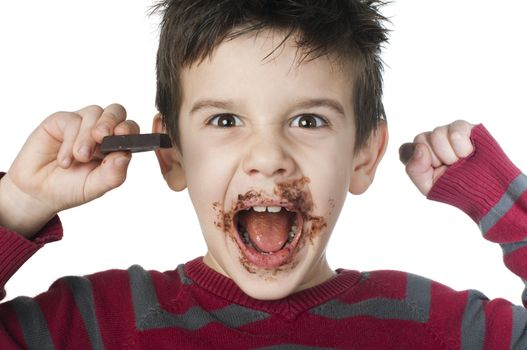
(295, 192)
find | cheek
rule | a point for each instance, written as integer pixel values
(332, 165)
(330, 175)
(208, 175)
(330, 187)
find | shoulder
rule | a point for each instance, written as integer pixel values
(122, 284)
(412, 288)
(421, 299)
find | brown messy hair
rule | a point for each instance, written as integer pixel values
(346, 29)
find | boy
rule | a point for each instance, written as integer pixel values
(285, 119)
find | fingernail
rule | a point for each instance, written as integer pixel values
(85, 151)
(122, 162)
(406, 151)
(65, 161)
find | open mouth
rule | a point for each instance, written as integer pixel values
(268, 235)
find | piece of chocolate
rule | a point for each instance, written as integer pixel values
(135, 143)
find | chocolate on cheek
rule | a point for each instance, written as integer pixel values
(295, 192)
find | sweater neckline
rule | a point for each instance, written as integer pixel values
(289, 307)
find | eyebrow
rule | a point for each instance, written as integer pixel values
(307, 103)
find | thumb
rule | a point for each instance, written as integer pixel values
(418, 161)
(110, 174)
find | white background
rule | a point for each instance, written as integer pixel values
(448, 60)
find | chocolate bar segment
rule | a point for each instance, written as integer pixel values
(135, 143)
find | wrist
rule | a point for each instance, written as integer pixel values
(20, 212)
(476, 183)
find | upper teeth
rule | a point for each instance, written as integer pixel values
(270, 209)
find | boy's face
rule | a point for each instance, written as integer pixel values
(267, 133)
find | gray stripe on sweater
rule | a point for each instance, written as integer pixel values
(524, 293)
(516, 188)
(150, 315)
(182, 276)
(473, 323)
(519, 328)
(415, 307)
(33, 324)
(512, 247)
(143, 294)
(83, 294)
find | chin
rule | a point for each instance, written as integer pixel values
(268, 283)
(267, 287)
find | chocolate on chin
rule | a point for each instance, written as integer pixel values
(135, 143)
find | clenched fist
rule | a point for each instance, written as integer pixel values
(431, 153)
(60, 166)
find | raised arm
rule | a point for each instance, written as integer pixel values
(462, 165)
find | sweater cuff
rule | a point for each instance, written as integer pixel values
(476, 183)
(15, 249)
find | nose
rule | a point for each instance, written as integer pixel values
(268, 157)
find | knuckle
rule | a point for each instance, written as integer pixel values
(460, 129)
(65, 121)
(462, 122)
(109, 115)
(421, 138)
(115, 180)
(94, 109)
(89, 112)
(110, 119)
(438, 135)
(128, 124)
(116, 110)
(131, 126)
(61, 115)
(456, 136)
(56, 115)
(134, 124)
(458, 122)
(118, 107)
(102, 126)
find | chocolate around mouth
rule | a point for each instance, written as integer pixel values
(293, 195)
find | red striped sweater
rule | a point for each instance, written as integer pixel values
(193, 307)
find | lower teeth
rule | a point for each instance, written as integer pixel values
(247, 240)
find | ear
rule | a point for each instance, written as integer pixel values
(367, 159)
(170, 160)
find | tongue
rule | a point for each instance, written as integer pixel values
(268, 231)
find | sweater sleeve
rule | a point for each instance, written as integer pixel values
(15, 249)
(76, 312)
(492, 191)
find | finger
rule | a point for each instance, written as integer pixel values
(460, 138)
(85, 144)
(111, 173)
(406, 151)
(441, 146)
(424, 138)
(70, 128)
(128, 127)
(112, 116)
(420, 169)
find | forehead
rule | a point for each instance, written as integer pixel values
(262, 66)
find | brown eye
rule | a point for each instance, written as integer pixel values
(309, 121)
(225, 121)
